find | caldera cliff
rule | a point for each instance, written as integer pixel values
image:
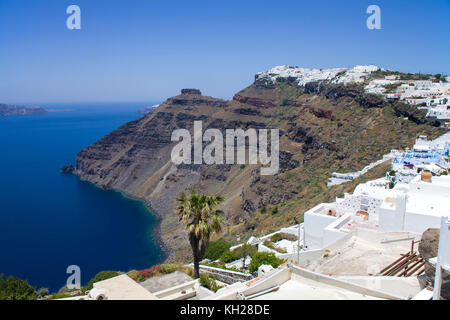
(325, 126)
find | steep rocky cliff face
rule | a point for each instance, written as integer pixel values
(326, 129)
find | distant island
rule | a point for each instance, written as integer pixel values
(12, 110)
(59, 110)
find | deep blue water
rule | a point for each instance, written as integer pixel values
(50, 220)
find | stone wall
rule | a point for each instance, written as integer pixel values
(226, 276)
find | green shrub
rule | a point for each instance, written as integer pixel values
(209, 283)
(289, 236)
(245, 250)
(285, 102)
(168, 268)
(135, 275)
(42, 292)
(280, 236)
(189, 272)
(274, 210)
(269, 244)
(221, 265)
(276, 237)
(12, 288)
(102, 275)
(216, 249)
(228, 256)
(59, 296)
(261, 258)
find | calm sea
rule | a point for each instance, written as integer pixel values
(50, 220)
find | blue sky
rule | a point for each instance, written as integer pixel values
(148, 50)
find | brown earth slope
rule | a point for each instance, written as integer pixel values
(323, 129)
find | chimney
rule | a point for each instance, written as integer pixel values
(426, 176)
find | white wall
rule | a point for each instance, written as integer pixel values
(395, 215)
(315, 224)
(367, 203)
(305, 258)
(391, 218)
(443, 258)
(418, 223)
(332, 232)
(444, 243)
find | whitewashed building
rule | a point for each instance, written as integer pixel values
(419, 209)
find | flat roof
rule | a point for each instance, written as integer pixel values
(124, 288)
(173, 279)
(442, 181)
(300, 288)
(293, 282)
(428, 205)
(377, 192)
(363, 256)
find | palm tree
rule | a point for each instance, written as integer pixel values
(198, 212)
